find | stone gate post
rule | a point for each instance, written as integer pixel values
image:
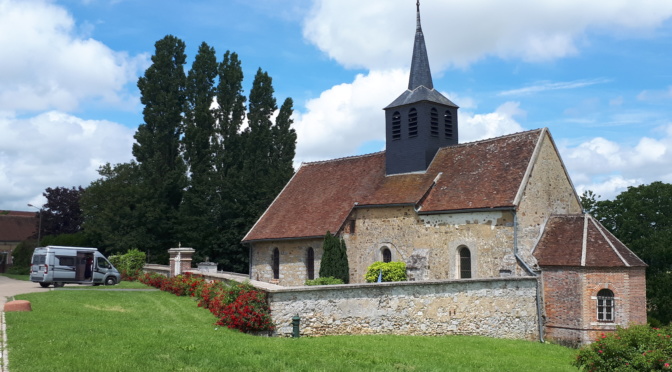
(180, 260)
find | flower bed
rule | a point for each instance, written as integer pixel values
(638, 348)
(237, 306)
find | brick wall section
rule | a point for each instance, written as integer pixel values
(562, 306)
(571, 303)
(502, 308)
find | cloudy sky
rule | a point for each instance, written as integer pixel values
(596, 73)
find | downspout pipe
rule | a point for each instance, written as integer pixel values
(532, 273)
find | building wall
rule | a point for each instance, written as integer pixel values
(429, 243)
(570, 298)
(629, 287)
(293, 254)
(548, 191)
(502, 308)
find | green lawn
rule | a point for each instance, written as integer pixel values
(90, 330)
(16, 276)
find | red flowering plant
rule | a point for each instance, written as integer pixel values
(637, 348)
(249, 312)
(238, 305)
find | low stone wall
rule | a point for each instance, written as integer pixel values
(159, 269)
(502, 308)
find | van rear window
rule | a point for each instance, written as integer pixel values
(39, 259)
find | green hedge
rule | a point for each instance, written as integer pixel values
(324, 281)
(392, 272)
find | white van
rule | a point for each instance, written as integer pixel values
(58, 265)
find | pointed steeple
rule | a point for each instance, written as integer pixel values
(421, 120)
(420, 73)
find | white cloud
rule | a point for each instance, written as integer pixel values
(608, 168)
(47, 65)
(348, 116)
(544, 86)
(55, 149)
(344, 117)
(379, 34)
(475, 127)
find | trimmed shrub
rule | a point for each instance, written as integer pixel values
(334, 261)
(324, 281)
(129, 264)
(394, 271)
(638, 348)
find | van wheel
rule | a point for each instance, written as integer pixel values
(44, 284)
(110, 281)
(58, 284)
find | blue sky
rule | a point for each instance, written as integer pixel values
(595, 73)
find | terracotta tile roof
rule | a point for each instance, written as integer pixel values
(321, 195)
(580, 240)
(17, 226)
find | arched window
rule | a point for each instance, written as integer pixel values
(310, 263)
(412, 122)
(605, 305)
(396, 125)
(465, 263)
(448, 124)
(387, 254)
(276, 263)
(434, 122)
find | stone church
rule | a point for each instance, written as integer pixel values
(503, 207)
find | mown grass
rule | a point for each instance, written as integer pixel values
(17, 276)
(121, 285)
(157, 331)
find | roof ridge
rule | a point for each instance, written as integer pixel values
(496, 138)
(342, 158)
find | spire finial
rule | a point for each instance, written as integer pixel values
(417, 4)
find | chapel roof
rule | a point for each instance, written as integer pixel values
(580, 240)
(319, 198)
(16, 226)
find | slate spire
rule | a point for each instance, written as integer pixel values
(420, 73)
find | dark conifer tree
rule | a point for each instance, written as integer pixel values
(198, 222)
(334, 261)
(157, 147)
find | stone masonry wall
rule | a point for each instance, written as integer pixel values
(293, 256)
(502, 308)
(430, 243)
(548, 191)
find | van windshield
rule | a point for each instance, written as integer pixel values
(39, 259)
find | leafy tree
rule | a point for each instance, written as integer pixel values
(21, 256)
(334, 261)
(641, 218)
(61, 214)
(71, 240)
(589, 201)
(114, 210)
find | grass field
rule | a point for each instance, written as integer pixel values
(91, 330)
(17, 277)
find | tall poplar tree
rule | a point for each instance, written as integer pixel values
(198, 222)
(157, 147)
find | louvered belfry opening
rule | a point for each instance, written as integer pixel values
(412, 121)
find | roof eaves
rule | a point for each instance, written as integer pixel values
(611, 244)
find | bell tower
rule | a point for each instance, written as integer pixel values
(421, 120)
